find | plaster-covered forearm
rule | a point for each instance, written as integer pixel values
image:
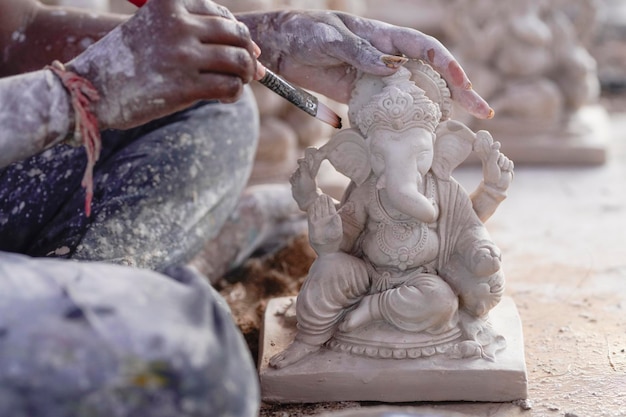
(34, 114)
(48, 33)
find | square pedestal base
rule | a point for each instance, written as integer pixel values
(327, 376)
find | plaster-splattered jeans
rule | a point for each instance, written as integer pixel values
(160, 190)
(91, 338)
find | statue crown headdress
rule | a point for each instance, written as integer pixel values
(401, 105)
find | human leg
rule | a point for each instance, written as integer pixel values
(106, 340)
(159, 195)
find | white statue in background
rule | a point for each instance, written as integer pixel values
(528, 60)
(405, 267)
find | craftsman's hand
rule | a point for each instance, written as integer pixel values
(323, 51)
(170, 54)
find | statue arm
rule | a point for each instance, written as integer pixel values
(325, 225)
(353, 220)
(303, 183)
(480, 254)
(497, 176)
(473, 265)
(332, 230)
(486, 199)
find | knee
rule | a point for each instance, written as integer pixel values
(221, 135)
(337, 276)
(434, 292)
(448, 301)
(338, 264)
(157, 304)
(240, 119)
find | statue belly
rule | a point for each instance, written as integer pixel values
(401, 245)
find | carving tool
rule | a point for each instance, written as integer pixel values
(305, 101)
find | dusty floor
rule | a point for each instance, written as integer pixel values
(562, 232)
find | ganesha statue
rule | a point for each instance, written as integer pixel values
(405, 265)
(405, 299)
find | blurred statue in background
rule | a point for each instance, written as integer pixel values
(528, 59)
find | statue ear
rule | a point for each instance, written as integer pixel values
(453, 144)
(348, 153)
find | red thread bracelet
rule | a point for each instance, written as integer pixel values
(86, 131)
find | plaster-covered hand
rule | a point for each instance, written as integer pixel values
(497, 167)
(325, 231)
(170, 54)
(324, 50)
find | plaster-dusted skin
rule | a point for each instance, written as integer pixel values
(34, 114)
(312, 64)
(405, 267)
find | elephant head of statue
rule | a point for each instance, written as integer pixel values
(400, 132)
